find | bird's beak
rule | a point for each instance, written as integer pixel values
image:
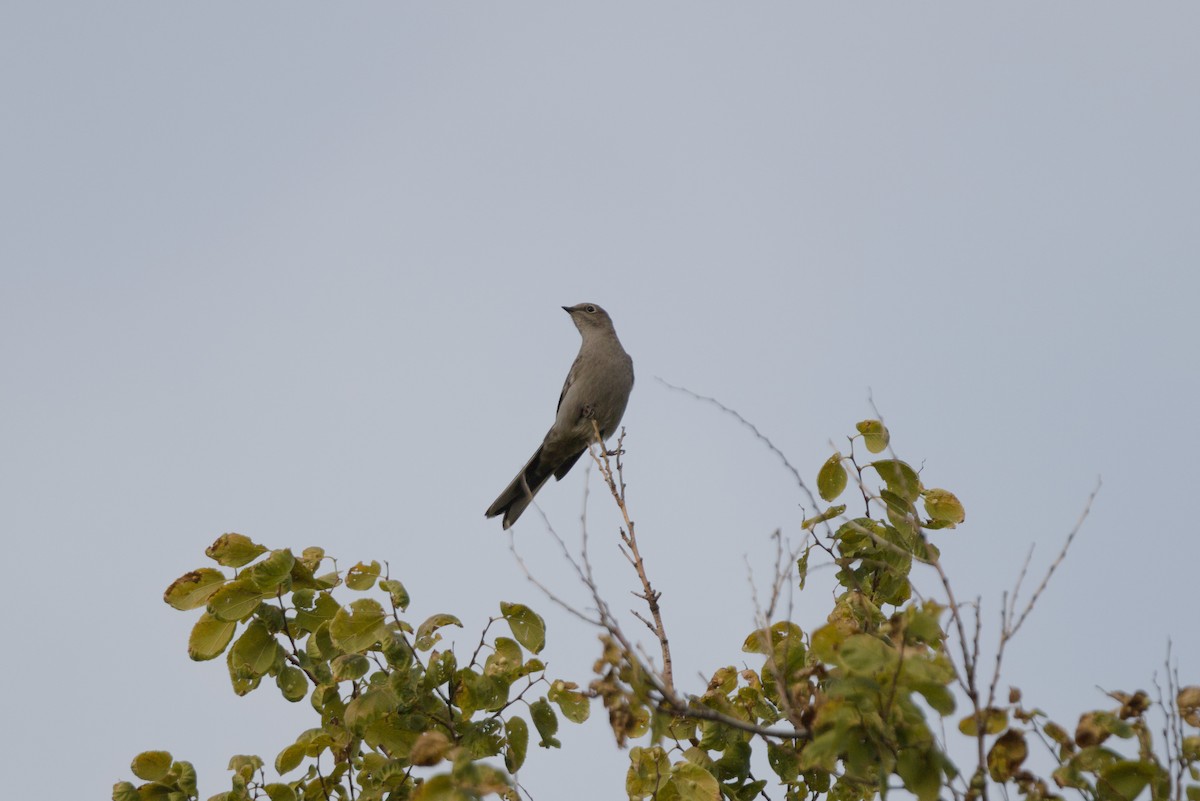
(567, 309)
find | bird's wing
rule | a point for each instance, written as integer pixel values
(567, 384)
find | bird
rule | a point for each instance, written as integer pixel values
(597, 389)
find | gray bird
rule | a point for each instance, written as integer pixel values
(597, 388)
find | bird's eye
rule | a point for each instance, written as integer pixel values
(591, 309)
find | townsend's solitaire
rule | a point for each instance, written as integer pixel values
(597, 388)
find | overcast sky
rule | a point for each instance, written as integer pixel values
(295, 270)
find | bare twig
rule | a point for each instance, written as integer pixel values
(1087, 508)
(762, 437)
(616, 485)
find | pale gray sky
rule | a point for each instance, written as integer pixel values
(294, 270)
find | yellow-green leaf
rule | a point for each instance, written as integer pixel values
(994, 721)
(574, 704)
(828, 514)
(690, 782)
(358, 628)
(192, 590)
(516, 732)
(527, 626)
(237, 600)
(292, 683)
(290, 758)
(943, 507)
(362, 576)
(875, 435)
(397, 592)
(427, 635)
(256, 650)
(831, 478)
(209, 637)
(152, 766)
(234, 550)
(1124, 780)
(899, 477)
(546, 723)
(280, 792)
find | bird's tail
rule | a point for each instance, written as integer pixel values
(519, 493)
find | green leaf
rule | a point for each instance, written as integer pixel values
(358, 628)
(937, 696)
(290, 758)
(256, 650)
(237, 600)
(516, 743)
(691, 782)
(280, 792)
(920, 771)
(271, 572)
(292, 683)
(124, 791)
(865, 655)
(397, 592)
(234, 550)
(505, 659)
(943, 507)
(362, 576)
(426, 632)
(875, 435)
(546, 723)
(734, 764)
(323, 609)
(831, 478)
(441, 788)
(994, 721)
(192, 590)
(784, 760)
(1124, 780)
(574, 704)
(245, 765)
(899, 477)
(527, 626)
(828, 514)
(349, 667)
(209, 637)
(153, 766)
(368, 707)
(648, 771)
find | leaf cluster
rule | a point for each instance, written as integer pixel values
(401, 715)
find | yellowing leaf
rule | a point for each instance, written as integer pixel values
(234, 550)
(1006, 755)
(994, 721)
(192, 590)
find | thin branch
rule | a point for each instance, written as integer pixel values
(629, 538)
(1087, 508)
(762, 437)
